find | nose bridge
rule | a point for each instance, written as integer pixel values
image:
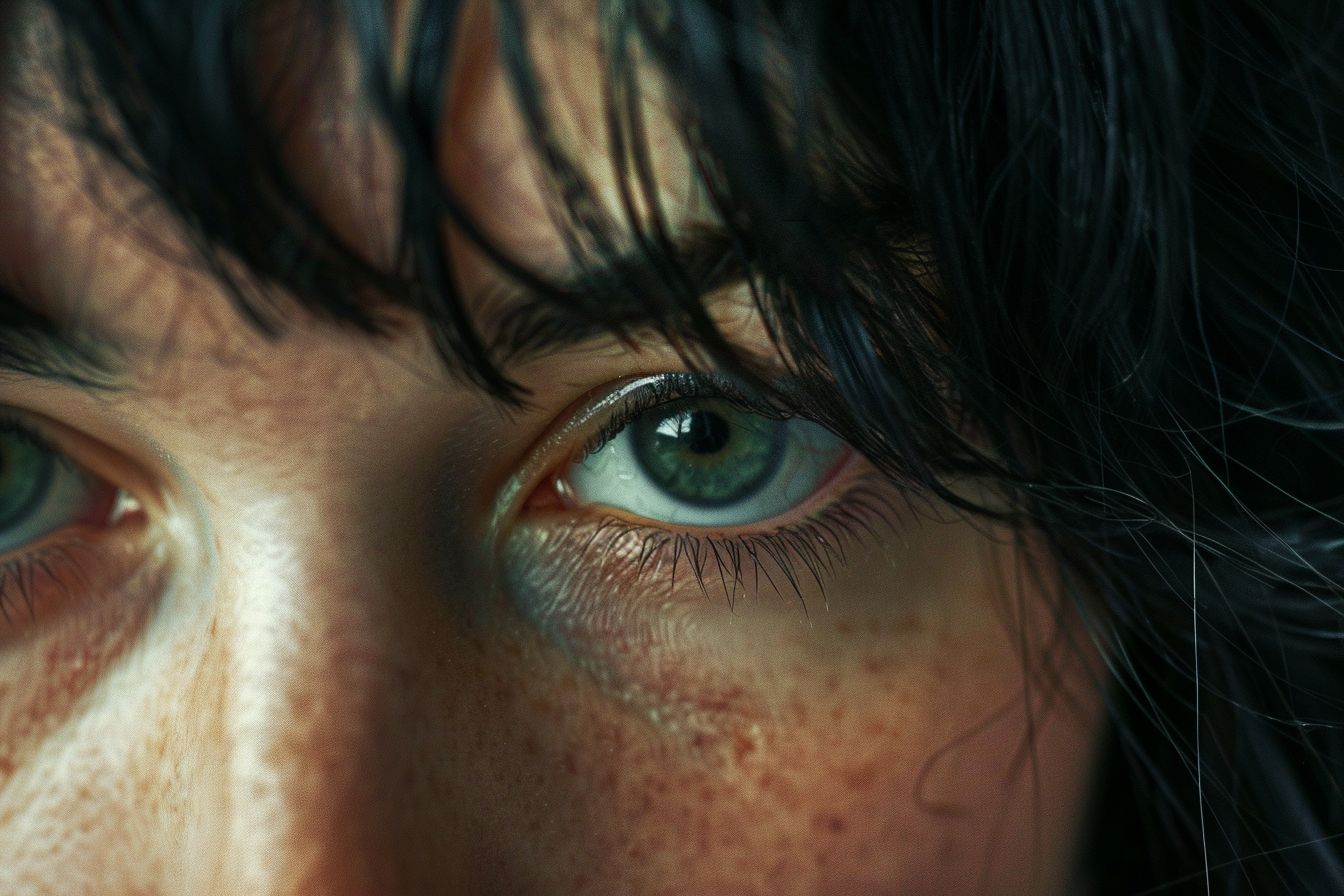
(302, 650)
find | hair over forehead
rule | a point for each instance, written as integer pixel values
(1090, 253)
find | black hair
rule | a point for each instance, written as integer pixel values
(1090, 252)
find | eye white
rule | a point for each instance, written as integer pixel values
(613, 476)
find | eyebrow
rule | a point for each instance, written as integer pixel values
(523, 321)
(35, 344)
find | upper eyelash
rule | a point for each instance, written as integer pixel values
(674, 386)
(13, 425)
(10, 425)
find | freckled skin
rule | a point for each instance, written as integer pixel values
(320, 696)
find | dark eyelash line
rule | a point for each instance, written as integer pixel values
(18, 575)
(49, 568)
(11, 425)
(808, 550)
(673, 386)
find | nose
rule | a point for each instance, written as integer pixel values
(310, 770)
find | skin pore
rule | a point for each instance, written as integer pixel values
(286, 668)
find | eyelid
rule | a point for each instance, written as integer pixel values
(599, 414)
(94, 456)
(654, 391)
(91, 548)
(541, 458)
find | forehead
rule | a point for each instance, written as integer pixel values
(96, 247)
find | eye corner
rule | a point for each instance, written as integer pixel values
(550, 495)
(121, 510)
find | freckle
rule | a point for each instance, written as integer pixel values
(539, 707)
(844, 628)
(530, 745)
(904, 625)
(783, 792)
(798, 711)
(860, 778)
(876, 730)
(832, 823)
(743, 746)
(880, 666)
(569, 764)
(837, 713)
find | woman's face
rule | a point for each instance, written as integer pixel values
(252, 642)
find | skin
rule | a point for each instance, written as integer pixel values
(290, 673)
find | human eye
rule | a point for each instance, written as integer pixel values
(66, 529)
(703, 461)
(684, 503)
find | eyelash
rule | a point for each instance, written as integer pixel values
(810, 547)
(671, 387)
(19, 573)
(807, 549)
(22, 573)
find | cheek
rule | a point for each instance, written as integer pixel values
(891, 739)
(872, 787)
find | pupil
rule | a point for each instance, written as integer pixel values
(706, 433)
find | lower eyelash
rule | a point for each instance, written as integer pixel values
(38, 578)
(559, 584)
(809, 549)
(41, 581)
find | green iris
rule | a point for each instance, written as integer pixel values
(26, 470)
(707, 452)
